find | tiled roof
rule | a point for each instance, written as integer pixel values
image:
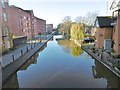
(104, 21)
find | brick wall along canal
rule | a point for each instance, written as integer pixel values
(62, 64)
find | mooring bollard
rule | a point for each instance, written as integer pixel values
(31, 46)
(13, 57)
(34, 44)
(27, 49)
(21, 52)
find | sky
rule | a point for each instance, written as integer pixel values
(53, 11)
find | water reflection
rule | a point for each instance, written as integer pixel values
(32, 60)
(99, 72)
(70, 47)
(53, 68)
(13, 81)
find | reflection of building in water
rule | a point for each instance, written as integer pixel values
(100, 71)
(12, 83)
(32, 60)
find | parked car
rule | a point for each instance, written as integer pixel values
(88, 40)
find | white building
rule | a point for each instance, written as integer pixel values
(113, 5)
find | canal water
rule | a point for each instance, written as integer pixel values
(62, 64)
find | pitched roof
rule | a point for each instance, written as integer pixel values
(104, 21)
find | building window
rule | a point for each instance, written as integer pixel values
(8, 44)
(29, 19)
(3, 4)
(5, 17)
(101, 35)
(7, 32)
(24, 17)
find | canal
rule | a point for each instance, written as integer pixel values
(62, 64)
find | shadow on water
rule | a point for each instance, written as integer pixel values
(100, 71)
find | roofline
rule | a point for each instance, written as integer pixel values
(39, 18)
(13, 6)
(103, 16)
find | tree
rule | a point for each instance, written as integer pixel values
(65, 26)
(77, 31)
(57, 29)
(67, 19)
(90, 18)
(80, 19)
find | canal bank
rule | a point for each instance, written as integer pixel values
(9, 70)
(96, 58)
(62, 64)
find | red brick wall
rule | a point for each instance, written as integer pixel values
(100, 37)
(5, 24)
(116, 36)
(41, 26)
(26, 26)
(14, 21)
(102, 34)
(21, 22)
(34, 23)
(0, 26)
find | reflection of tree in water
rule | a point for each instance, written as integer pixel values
(64, 43)
(75, 49)
(100, 71)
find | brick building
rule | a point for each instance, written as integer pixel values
(49, 28)
(40, 26)
(103, 33)
(0, 27)
(17, 23)
(114, 9)
(21, 22)
(26, 24)
(6, 41)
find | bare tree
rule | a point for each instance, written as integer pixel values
(67, 19)
(90, 18)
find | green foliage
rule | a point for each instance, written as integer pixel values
(65, 26)
(86, 35)
(77, 31)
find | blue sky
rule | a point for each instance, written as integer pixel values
(53, 11)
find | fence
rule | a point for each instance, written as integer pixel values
(18, 41)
